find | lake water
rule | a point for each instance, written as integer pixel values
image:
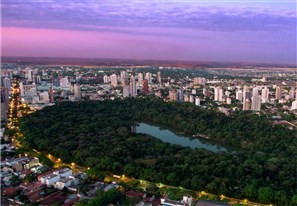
(166, 135)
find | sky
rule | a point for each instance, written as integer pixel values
(262, 31)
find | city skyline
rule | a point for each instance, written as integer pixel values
(228, 31)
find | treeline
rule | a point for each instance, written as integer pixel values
(97, 135)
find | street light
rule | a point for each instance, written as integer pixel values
(72, 164)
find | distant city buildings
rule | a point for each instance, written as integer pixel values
(45, 86)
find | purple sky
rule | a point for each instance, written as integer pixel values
(255, 31)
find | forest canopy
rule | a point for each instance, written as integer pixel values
(97, 134)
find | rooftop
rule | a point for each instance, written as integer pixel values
(50, 176)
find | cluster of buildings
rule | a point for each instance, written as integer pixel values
(36, 191)
(43, 86)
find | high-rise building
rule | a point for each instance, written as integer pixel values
(44, 97)
(114, 80)
(255, 92)
(133, 90)
(294, 105)
(140, 78)
(197, 101)
(124, 77)
(205, 92)
(278, 92)
(227, 93)
(28, 74)
(180, 95)
(148, 76)
(5, 88)
(105, 79)
(239, 95)
(159, 79)
(76, 88)
(145, 88)
(218, 94)
(51, 94)
(256, 103)
(126, 92)
(246, 104)
(192, 98)
(64, 82)
(265, 95)
(292, 93)
(246, 93)
(28, 90)
(172, 95)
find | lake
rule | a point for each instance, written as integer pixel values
(165, 135)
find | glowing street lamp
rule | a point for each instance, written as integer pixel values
(72, 164)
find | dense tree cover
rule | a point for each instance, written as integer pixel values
(97, 135)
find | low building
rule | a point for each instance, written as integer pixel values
(66, 182)
(132, 194)
(167, 202)
(65, 172)
(10, 191)
(110, 186)
(71, 200)
(50, 179)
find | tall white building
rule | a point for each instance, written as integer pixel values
(255, 92)
(265, 95)
(114, 80)
(278, 92)
(239, 95)
(192, 98)
(64, 82)
(126, 92)
(133, 90)
(159, 78)
(28, 90)
(197, 101)
(218, 94)
(246, 104)
(140, 78)
(148, 76)
(44, 97)
(294, 105)
(246, 93)
(76, 88)
(28, 74)
(22, 89)
(256, 103)
(124, 77)
(292, 93)
(105, 79)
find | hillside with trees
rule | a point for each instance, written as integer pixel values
(97, 134)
